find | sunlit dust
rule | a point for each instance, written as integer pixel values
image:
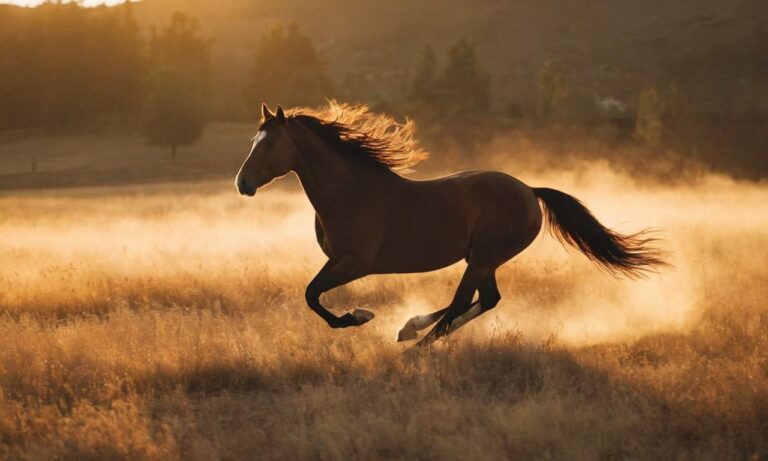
(97, 237)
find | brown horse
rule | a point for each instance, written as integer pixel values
(370, 220)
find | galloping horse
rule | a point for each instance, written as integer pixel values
(371, 220)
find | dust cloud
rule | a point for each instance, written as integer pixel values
(713, 228)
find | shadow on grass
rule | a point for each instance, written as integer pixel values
(479, 377)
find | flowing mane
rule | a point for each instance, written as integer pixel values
(355, 130)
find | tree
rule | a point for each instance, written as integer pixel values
(650, 108)
(177, 85)
(63, 65)
(117, 60)
(553, 89)
(287, 70)
(463, 87)
(423, 84)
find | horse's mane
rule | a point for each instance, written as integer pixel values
(355, 130)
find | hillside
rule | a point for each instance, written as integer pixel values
(608, 48)
(715, 50)
(712, 53)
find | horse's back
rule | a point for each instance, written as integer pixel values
(490, 190)
(484, 179)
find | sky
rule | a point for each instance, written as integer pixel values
(37, 2)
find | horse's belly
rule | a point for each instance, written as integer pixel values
(413, 265)
(423, 245)
(423, 259)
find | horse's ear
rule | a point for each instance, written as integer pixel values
(266, 114)
(280, 114)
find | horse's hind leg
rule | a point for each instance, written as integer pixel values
(462, 302)
(489, 298)
(415, 324)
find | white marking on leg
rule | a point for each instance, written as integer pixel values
(422, 321)
(466, 317)
(409, 331)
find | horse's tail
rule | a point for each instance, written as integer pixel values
(572, 223)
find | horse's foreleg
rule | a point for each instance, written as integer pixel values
(332, 275)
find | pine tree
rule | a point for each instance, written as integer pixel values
(423, 84)
(649, 125)
(176, 85)
(287, 70)
(63, 65)
(463, 86)
(553, 90)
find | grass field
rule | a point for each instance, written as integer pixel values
(168, 322)
(31, 160)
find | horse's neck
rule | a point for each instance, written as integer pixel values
(332, 182)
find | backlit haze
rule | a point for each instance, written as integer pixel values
(38, 2)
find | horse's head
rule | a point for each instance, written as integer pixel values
(272, 153)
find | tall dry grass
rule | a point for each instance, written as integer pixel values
(167, 322)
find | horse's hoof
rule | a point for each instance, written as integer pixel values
(407, 334)
(362, 316)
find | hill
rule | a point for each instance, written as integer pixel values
(608, 48)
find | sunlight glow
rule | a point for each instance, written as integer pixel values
(31, 3)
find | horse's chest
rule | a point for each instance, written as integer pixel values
(347, 236)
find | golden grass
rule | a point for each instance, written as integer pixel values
(167, 322)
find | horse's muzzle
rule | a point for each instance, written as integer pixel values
(245, 189)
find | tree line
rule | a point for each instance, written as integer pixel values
(62, 65)
(67, 68)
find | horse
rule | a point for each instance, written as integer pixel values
(371, 220)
